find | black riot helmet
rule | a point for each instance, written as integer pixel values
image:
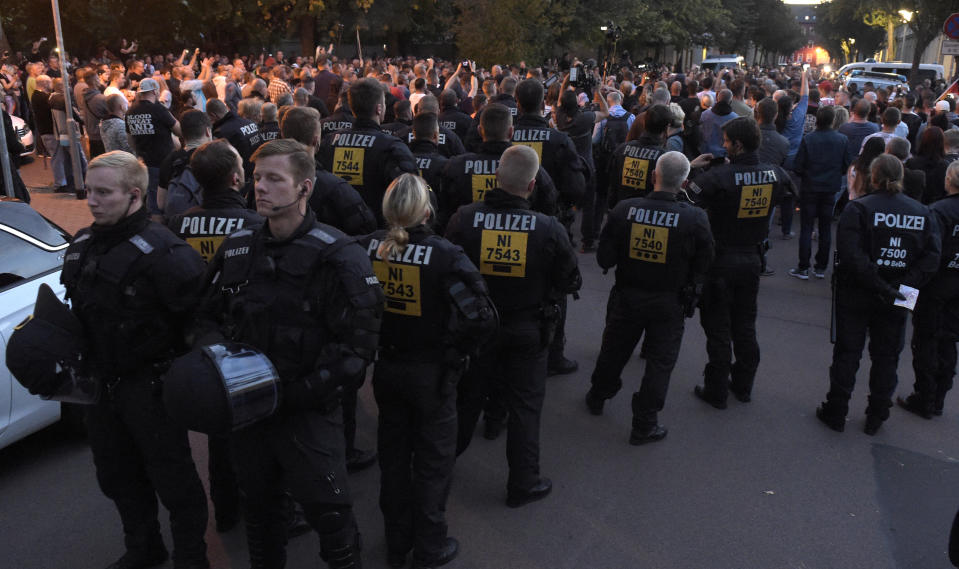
(45, 352)
(221, 388)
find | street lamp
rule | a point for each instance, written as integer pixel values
(906, 16)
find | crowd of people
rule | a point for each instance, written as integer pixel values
(422, 214)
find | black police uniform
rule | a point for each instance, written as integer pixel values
(661, 249)
(312, 304)
(242, 134)
(883, 240)
(429, 162)
(738, 198)
(449, 144)
(936, 318)
(559, 158)
(529, 265)
(630, 172)
(557, 155)
(394, 127)
(205, 228)
(467, 178)
(340, 120)
(134, 286)
(367, 158)
(457, 121)
(437, 311)
(335, 202)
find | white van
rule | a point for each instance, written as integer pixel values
(931, 71)
(717, 62)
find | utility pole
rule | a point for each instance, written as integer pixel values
(73, 131)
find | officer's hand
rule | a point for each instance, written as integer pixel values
(701, 161)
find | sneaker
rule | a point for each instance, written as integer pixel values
(801, 274)
(767, 272)
(788, 236)
(819, 273)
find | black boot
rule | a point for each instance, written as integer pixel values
(150, 553)
(831, 418)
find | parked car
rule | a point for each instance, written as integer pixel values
(857, 79)
(25, 134)
(31, 253)
(932, 71)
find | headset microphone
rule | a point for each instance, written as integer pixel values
(291, 204)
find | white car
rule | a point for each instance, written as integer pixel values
(31, 253)
(25, 134)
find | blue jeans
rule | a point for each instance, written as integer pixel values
(815, 206)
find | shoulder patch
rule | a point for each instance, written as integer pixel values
(242, 233)
(141, 244)
(322, 235)
(82, 237)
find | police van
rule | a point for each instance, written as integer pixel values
(717, 62)
(931, 71)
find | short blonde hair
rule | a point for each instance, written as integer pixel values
(133, 172)
(517, 168)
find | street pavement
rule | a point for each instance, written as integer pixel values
(759, 485)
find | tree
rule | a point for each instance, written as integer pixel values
(513, 40)
(850, 27)
(926, 22)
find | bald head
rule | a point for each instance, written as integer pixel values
(517, 170)
(671, 171)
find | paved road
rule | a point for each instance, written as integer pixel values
(759, 485)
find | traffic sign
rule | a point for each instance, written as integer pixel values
(950, 47)
(951, 27)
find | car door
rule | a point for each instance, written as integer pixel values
(26, 261)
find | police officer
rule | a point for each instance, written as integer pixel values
(333, 201)
(242, 134)
(364, 155)
(884, 239)
(738, 197)
(448, 143)
(662, 249)
(305, 295)
(437, 312)
(218, 168)
(631, 166)
(568, 171)
(429, 160)
(467, 178)
(529, 264)
(341, 119)
(936, 317)
(133, 285)
(451, 116)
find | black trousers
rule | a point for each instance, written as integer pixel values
(416, 442)
(224, 490)
(860, 313)
(516, 360)
(594, 207)
(935, 332)
(728, 317)
(302, 452)
(630, 313)
(140, 454)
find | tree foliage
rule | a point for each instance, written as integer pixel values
(486, 30)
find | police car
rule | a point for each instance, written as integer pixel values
(31, 253)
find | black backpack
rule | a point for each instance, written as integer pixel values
(183, 191)
(614, 133)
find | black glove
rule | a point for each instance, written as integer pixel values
(691, 294)
(889, 294)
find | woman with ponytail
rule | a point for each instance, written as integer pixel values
(437, 313)
(885, 241)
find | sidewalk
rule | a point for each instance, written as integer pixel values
(63, 209)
